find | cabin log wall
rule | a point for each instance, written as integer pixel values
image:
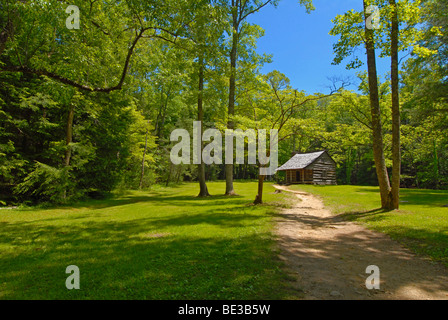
(324, 170)
(321, 171)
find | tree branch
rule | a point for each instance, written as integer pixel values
(75, 84)
(254, 10)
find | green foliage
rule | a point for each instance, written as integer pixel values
(160, 93)
(350, 29)
(47, 183)
(425, 91)
(423, 147)
(108, 140)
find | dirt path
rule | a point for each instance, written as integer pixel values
(329, 256)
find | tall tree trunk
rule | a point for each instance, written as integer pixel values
(203, 190)
(349, 166)
(169, 175)
(378, 146)
(156, 124)
(68, 140)
(164, 109)
(161, 115)
(179, 171)
(69, 135)
(436, 165)
(293, 143)
(143, 158)
(396, 148)
(8, 29)
(232, 87)
(259, 197)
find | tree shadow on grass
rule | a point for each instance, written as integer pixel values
(138, 259)
(157, 199)
(368, 189)
(431, 198)
(356, 215)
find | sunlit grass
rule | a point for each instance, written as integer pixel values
(163, 244)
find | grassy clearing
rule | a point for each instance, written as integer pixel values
(164, 244)
(421, 223)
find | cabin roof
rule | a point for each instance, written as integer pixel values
(301, 161)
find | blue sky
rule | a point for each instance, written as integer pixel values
(301, 46)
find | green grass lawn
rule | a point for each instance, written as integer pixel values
(421, 223)
(163, 244)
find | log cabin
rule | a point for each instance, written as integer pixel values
(310, 168)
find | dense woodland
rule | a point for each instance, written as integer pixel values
(89, 110)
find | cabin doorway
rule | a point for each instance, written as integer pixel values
(298, 175)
